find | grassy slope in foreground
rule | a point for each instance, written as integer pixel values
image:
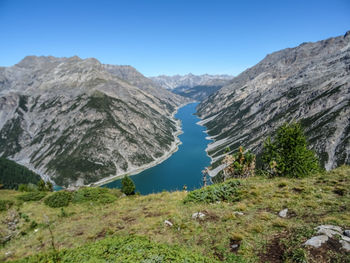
(320, 199)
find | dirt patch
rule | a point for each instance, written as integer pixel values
(128, 219)
(153, 214)
(291, 214)
(101, 234)
(234, 245)
(79, 233)
(274, 250)
(339, 191)
(298, 189)
(210, 216)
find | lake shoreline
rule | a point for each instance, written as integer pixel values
(173, 148)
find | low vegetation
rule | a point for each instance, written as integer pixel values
(58, 199)
(227, 191)
(248, 229)
(32, 196)
(121, 249)
(5, 204)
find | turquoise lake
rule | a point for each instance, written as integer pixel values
(184, 167)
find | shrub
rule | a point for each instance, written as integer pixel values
(32, 196)
(239, 165)
(5, 204)
(58, 199)
(122, 249)
(45, 186)
(94, 194)
(227, 191)
(128, 186)
(287, 154)
(27, 187)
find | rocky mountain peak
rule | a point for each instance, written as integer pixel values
(309, 83)
(76, 121)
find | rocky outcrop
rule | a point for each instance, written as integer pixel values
(309, 83)
(78, 121)
(326, 232)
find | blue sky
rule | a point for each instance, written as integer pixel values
(168, 36)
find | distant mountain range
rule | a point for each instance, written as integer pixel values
(309, 83)
(197, 87)
(78, 121)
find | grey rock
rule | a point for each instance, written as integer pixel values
(238, 213)
(198, 215)
(330, 227)
(308, 83)
(345, 245)
(345, 238)
(283, 213)
(95, 120)
(316, 241)
(168, 223)
(329, 230)
(347, 233)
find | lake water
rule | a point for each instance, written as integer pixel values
(184, 167)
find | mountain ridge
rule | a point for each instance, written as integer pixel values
(308, 83)
(74, 122)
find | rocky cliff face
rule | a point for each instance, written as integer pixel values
(309, 83)
(78, 121)
(196, 87)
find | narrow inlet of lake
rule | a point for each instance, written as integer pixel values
(184, 167)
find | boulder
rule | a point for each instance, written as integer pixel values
(168, 223)
(316, 241)
(331, 227)
(198, 215)
(345, 245)
(346, 233)
(283, 213)
(238, 213)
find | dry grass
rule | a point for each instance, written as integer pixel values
(312, 200)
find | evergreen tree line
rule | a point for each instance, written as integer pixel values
(13, 174)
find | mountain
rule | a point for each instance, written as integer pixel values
(309, 83)
(197, 87)
(77, 121)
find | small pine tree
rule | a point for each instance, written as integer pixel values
(128, 186)
(239, 165)
(49, 186)
(287, 154)
(41, 185)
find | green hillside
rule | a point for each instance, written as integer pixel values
(241, 223)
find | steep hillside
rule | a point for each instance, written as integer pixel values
(189, 80)
(198, 93)
(247, 222)
(78, 121)
(309, 83)
(196, 87)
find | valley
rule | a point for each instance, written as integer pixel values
(184, 167)
(126, 155)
